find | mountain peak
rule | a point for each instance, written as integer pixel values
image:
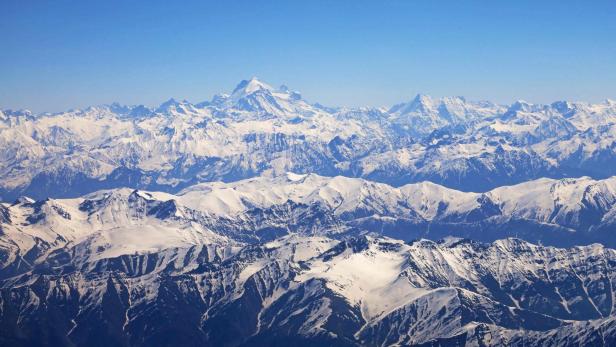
(170, 102)
(250, 86)
(17, 113)
(421, 103)
(422, 98)
(173, 104)
(524, 106)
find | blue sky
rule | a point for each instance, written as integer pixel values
(55, 55)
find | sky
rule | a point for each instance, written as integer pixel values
(57, 55)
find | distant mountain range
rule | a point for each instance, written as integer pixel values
(259, 130)
(259, 219)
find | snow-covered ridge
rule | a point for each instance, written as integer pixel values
(357, 291)
(546, 200)
(258, 129)
(118, 222)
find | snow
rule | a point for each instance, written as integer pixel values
(250, 86)
(277, 139)
(118, 224)
(113, 230)
(260, 129)
(406, 293)
(532, 200)
(141, 239)
(540, 199)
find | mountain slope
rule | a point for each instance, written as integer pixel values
(125, 222)
(311, 290)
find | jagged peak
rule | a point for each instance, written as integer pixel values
(121, 109)
(16, 113)
(449, 99)
(521, 105)
(172, 104)
(562, 104)
(171, 101)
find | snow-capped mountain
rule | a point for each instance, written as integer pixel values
(313, 290)
(258, 129)
(258, 218)
(423, 115)
(120, 222)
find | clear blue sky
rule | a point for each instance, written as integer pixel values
(55, 55)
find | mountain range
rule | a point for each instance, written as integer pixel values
(260, 130)
(313, 290)
(260, 219)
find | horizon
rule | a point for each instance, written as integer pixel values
(312, 102)
(69, 55)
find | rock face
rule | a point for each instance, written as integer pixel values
(257, 129)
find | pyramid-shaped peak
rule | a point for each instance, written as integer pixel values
(421, 102)
(250, 86)
(170, 102)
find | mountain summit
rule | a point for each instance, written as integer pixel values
(246, 87)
